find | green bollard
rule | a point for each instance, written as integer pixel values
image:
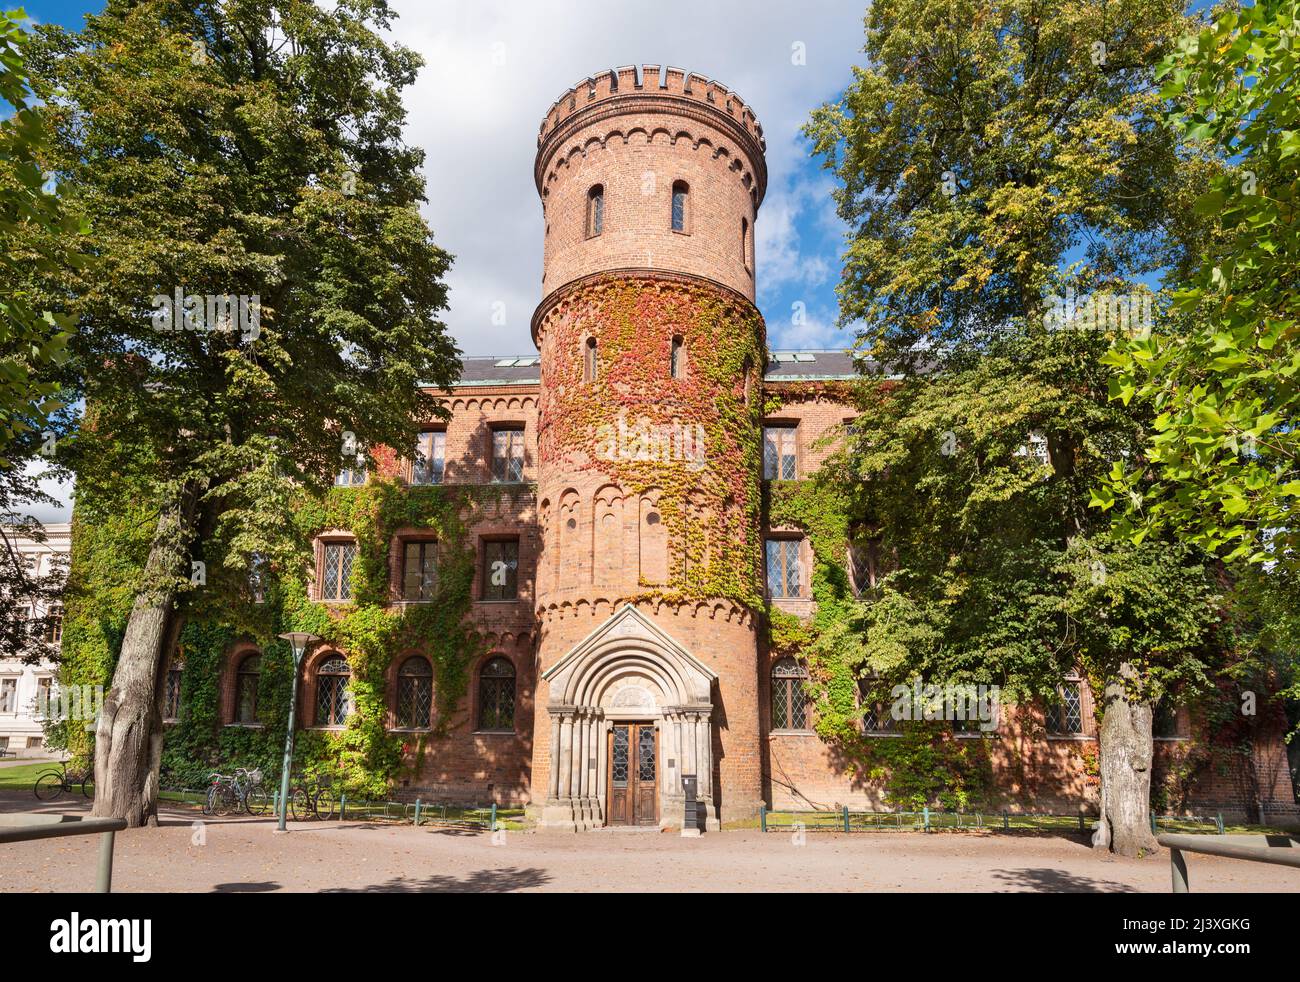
(343, 807)
(927, 818)
(846, 818)
(417, 812)
(494, 817)
(762, 818)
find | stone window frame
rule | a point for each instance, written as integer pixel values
(14, 676)
(477, 697)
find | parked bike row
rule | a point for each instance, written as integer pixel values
(243, 791)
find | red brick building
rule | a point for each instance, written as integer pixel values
(636, 568)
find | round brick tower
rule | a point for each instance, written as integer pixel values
(648, 453)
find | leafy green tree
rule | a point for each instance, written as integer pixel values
(983, 148)
(1221, 465)
(252, 150)
(33, 348)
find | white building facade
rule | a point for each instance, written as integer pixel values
(25, 689)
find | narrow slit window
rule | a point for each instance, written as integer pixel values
(681, 198)
(677, 360)
(589, 360)
(596, 210)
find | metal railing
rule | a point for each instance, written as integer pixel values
(26, 828)
(935, 820)
(1178, 844)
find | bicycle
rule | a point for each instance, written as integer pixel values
(310, 799)
(248, 787)
(51, 783)
(222, 799)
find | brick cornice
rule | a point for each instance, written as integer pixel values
(552, 299)
(659, 104)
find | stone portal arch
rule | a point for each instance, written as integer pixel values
(627, 669)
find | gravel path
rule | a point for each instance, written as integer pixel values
(244, 855)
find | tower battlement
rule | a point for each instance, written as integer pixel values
(650, 80)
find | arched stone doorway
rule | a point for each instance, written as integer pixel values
(628, 690)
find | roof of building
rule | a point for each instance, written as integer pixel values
(803, 365)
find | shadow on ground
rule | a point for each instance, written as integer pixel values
(1056, 881)
(483, 881)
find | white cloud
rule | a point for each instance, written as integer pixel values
(494, 68)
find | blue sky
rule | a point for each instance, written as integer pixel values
(493, 67)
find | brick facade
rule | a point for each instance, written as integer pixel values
(696, 671)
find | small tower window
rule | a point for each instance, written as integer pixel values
(596, 210)
(677, 361)
(744, 241)
(589, 360)
(681, 192)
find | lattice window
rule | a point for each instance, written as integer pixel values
(877, 716)
(622, 753)
(645, 754)
(784, 579)
(780, 462)
(172, 697)
(430, 460)
(419, 571)
(353, 474)
(336, 580)
(246, 683)
(415, 694)
(508, 455)
(332, 701)
(496, 695)
(1065, 716)
(501, 569)
(8, 695)
(789, 697)
(1164, 720)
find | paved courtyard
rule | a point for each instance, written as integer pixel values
(242, 855)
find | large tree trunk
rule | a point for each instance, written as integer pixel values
(1125, 751)
(128, 738)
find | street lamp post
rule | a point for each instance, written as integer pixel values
(299, 641)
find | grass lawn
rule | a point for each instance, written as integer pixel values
(23, 777)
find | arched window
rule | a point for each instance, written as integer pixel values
(789, 699)
(677, 360)
(246, 679)
(589, 360)
(414, 694)
(681, 197)
(496, 695)
(744, 241)
(332, 692)
(596, 210)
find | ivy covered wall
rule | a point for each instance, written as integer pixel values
(108, 555)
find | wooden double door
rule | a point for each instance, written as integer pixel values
(633, 778)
